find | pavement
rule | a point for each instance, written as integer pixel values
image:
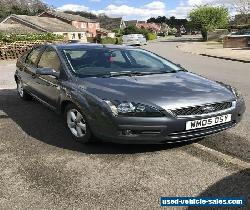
(42, 168)
(215, 49)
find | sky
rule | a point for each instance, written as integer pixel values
(130, 9)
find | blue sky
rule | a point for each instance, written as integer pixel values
(131, 9)
(95, 4)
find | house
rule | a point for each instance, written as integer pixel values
(35, 24)
(102, 32)
(144, 25)
(154, 27)
(130, 22)
(111, 23)
(90, 26)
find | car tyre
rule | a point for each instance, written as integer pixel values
(21, 92)
(77, 124)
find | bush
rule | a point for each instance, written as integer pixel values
(118, 40)
(29, 37)
(172, 31)
(151, 36)
(108, 40)
(92, 39)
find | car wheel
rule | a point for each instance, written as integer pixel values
(21, 92)
(77, 124)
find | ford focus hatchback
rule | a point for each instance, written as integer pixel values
(125, 94)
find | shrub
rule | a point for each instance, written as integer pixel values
(92, 39)
(118, 40)
(108, 40)
(151, 36)
(172, 31)
(29, 37)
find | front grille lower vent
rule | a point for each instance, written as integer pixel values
(200, 110)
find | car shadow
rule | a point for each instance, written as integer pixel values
(43, 124)
(235, 185)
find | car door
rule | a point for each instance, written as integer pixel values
(28, 69)
(48, 85)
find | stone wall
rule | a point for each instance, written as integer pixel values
(235, 42)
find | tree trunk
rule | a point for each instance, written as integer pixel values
(204, 35)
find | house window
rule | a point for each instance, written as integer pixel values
(73, 36)
(65, 35)
(83, 25)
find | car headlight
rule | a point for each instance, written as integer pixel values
(133, 109)
(237, 93)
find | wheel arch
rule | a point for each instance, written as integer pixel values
(16, 77)
(64, 104)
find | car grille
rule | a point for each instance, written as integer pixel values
(200, 110)
(202, 132)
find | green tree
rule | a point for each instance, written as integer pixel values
(207, 18)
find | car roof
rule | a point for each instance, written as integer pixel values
(89, 45)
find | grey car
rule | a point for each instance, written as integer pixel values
(125, 94)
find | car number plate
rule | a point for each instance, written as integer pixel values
(190, 125)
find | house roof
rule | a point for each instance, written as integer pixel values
(16, 29)
(103, 30)
(141, 22)
(130, 22)
(69, 17)
(109, 23)
(45, 24)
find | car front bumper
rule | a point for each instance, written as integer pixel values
(160, 130)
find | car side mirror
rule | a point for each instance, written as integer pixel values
(47, 71)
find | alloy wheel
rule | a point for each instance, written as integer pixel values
(76, 123)
(20, 88)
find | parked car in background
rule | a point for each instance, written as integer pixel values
(178, 34)
(134, 39)
(125, 94)
(241, 33)
(194, 32)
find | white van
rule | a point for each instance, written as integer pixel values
(134, 39)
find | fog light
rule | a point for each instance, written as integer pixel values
(127, 132)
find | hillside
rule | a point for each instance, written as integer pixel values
(21, 7)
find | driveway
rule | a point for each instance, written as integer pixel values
(41, 168)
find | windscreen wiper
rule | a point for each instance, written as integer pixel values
(126, 73)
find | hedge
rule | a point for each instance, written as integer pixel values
(9, 38)
(151, 36)
(109, 40)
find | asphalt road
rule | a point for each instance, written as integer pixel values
(236, 141)
(41, 168)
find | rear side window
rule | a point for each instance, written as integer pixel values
(50, 59)
(32, 56)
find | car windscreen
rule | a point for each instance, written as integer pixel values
(106, 61)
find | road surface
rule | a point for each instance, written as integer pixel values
(41, 168)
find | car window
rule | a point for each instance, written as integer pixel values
(97, 62)
(141, 60)
(117, 57)
(32, 56)
(76, 54)
(50, 59)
